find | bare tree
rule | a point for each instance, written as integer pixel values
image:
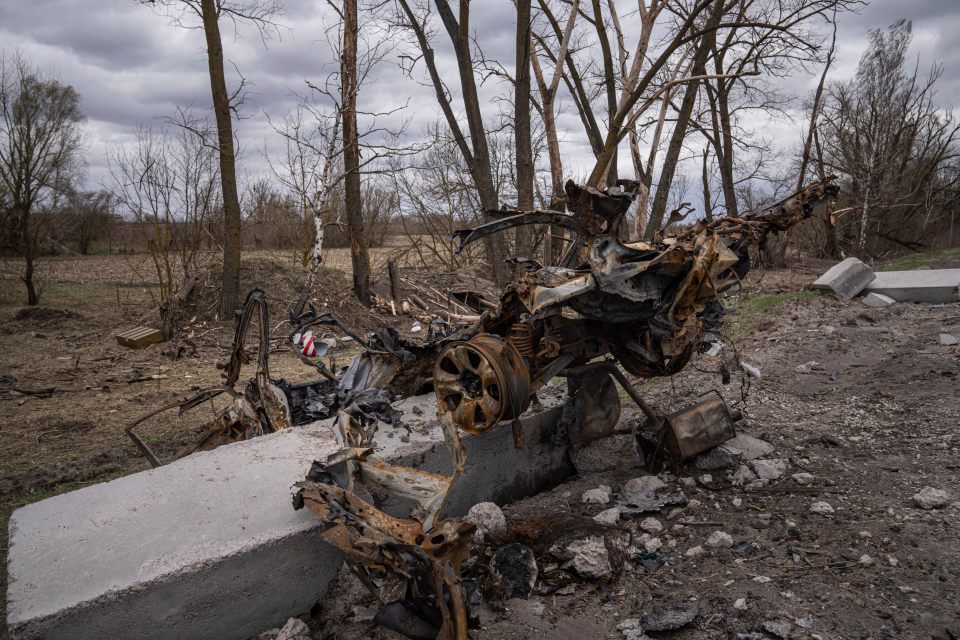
(521, 124)
(40, 143)
(547, 108)
(90, 214)
(167, 181)
(884, 132)
(210, 12)
(475, 147)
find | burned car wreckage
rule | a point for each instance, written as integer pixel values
(606, 307)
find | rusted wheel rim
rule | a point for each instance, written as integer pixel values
(481, 382)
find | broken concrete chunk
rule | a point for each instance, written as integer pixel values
(803, 479)
(693, 552)
(778, 628)
(769, 469)
(846, 279)
(671, 617)
(515, 567)
(823, 508)
(589, 558)
(720, 540)
(934, 286)
(750, 448)
(947, 340)
(644, 484)
(930, 498)
(608, 517)
(878, 300)
(600, 495)
(295, 629)
(751, 370)
(489, 519)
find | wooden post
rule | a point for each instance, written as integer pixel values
(394, 280)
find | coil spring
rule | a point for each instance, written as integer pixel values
(521, 337)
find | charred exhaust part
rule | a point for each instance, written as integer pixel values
(700, 426)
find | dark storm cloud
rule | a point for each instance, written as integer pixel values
(131, 66)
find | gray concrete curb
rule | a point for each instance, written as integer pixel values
(210, 546)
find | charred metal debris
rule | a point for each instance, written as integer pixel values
(608, 306)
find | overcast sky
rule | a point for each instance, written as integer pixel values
(130, 66)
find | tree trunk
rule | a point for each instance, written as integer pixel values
(522, 127)
(359, 256)
(228, 170)
(725, 161)
(27, 239)
(610, 85)
(672, 156)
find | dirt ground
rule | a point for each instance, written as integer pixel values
(874, 422)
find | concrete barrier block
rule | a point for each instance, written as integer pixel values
(846, 279)
(211, 547)
(878, 300)
(935, 286)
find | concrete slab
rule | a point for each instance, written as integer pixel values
(210, 546)
(846, 279)
(935, 286)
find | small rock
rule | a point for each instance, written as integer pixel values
(823, 508)
(515, 566)
(778, 628)
(743, 476)
(346, 339)
(865, 560)
(688, 482)
(590, 558)
(693, 552)
(608, 517)
(644, 484)
(877, 300)
(720, 540)
(489, 519)
(803, 479)
(762, 579)
(416, 328)
(295, 629)
(930, 498)
(737, 503)
(769, 469)
(751, 370)
(671, 617)
(653, 544)
(947, 340)
(536, 608)
(331, 343)
(740, 604)
(651, 525)
(600, 495)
